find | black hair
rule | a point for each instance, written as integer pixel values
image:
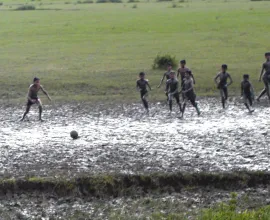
(141, 73)
(35, 79)
(245, 76)
(224, 66)
(169, 64)
(183, 61)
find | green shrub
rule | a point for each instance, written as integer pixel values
(1, 3)
(116, 1)
(133, 1)
(164, 0)
(85, 2)
(161, 62)
(174, 5)
(26, 7)
(134, 6)
(109, 1)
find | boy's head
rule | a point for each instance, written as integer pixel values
(169, 66)
(172, 74)
(267, 55)
(245, 76)
(182, 63)
(141, 75)
(36, 80)
(224, 67)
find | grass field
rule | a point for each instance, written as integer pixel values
(90, 52)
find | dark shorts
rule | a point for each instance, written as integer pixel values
(266, 77)
(29, 103)
(191, 96)
(143, 93)
(222, 86)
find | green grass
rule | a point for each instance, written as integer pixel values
(95, 51)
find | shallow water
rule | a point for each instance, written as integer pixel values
(122, 138)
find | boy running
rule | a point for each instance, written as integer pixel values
(265, 74)
(171, 90)
(222, 84)
(32, 97)
(247, 92)
(182, 71)
(142, 87)
(166, 74)
(188, 92)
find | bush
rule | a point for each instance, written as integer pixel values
(164, 0)
(108, 1)
(161, 62)
(174, 5)
(1, 3)
(85, 2)
(134, 6)
(26, 7)
(133, 1)
(116, 1)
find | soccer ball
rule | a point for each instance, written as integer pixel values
(74, 134)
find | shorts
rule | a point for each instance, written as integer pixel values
(144, 93)
(29, 103)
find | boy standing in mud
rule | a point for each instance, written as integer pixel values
(265, 74)
(182, 71)
(172, 91)
(247, 92)
(32, 97)
(188, 92)
(141, 86)
(222, 85)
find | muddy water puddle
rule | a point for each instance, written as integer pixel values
(122, 138)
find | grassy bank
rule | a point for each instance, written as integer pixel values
(120, 185)
(94, 51)
(202, 196)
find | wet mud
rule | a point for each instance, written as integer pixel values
(123, 139)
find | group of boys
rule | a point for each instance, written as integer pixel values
(172, 88)
(188, 81)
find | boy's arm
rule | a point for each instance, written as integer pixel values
(148, 85)
(242, 88)
(178, 73)
(161, 81)
(192, 76)
(230, 78)
(261, 72)
(137, 86)
(45, 92)
(215, 79)
(29, 94)
(252, 90)
(167, 87)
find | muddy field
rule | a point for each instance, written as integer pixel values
(124, 139)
